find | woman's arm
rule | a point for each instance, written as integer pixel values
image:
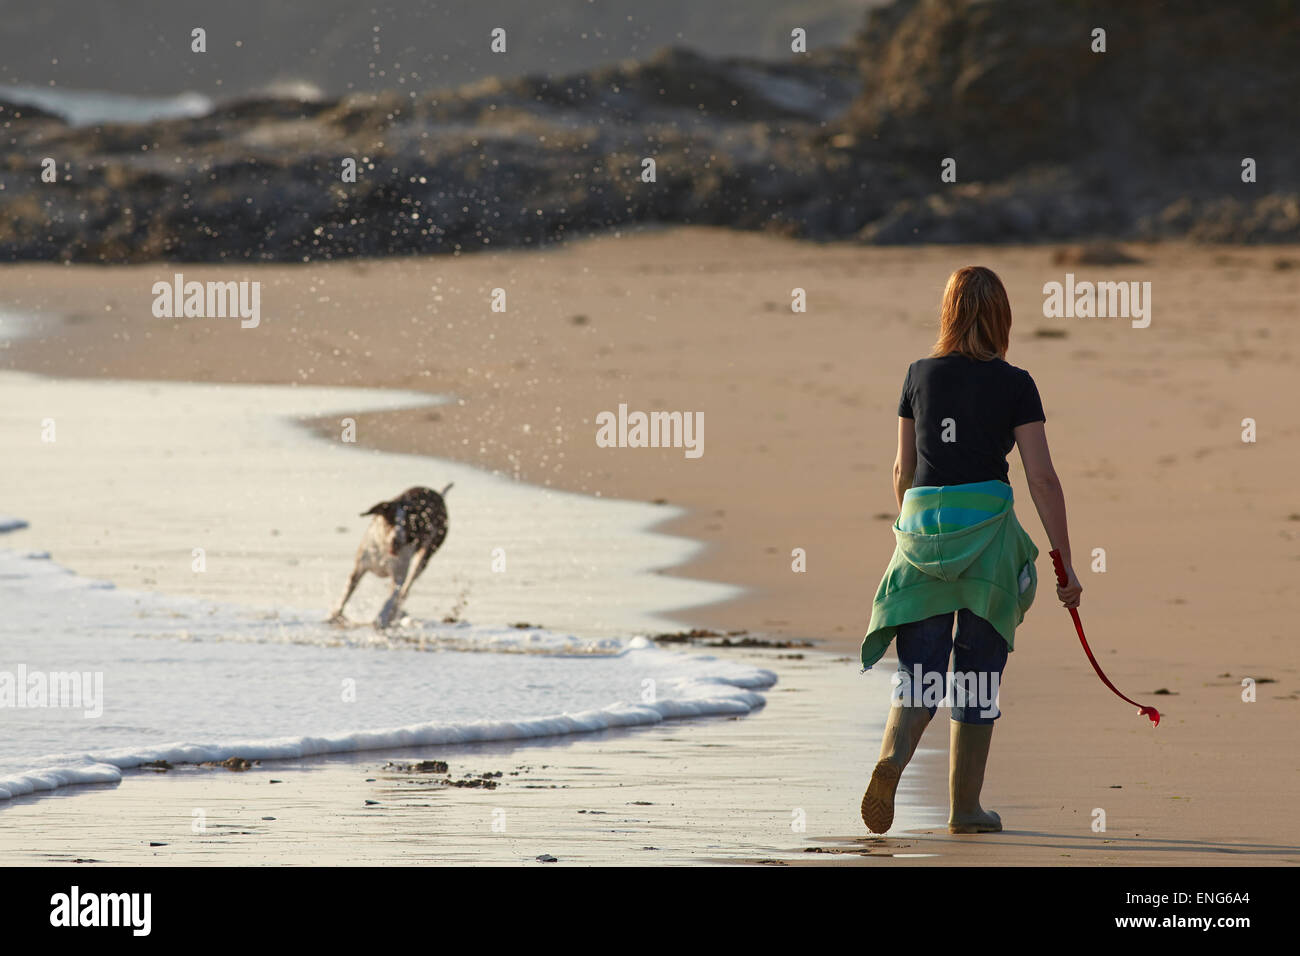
(1049, 499)
(905, 460)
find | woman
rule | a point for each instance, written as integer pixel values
(960, 551)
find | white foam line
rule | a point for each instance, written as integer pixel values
(703, 697)
(48, 606)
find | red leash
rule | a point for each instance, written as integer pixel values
(1062, 580)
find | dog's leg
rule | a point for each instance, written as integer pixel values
(402, 582)
(389, 611)
(358, 572)
(425, 554)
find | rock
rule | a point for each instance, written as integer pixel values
(1011, 90)
(1094, 254)
(424, 766)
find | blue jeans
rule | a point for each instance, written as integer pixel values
(923, 678)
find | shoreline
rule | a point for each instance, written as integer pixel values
(171, 455)
(139, 810)
(602, 797)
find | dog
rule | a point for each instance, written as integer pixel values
(411, 526)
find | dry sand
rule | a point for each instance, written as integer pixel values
(1200, 529)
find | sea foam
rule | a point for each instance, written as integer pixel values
(186, 680)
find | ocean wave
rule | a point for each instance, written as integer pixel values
(92, 107)
(219, 681)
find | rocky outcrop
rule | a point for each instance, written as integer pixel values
(515, 162)
(1052, 141)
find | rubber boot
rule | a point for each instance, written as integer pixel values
(903, 730)
(967, 757)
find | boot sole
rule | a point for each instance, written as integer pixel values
(878, 801)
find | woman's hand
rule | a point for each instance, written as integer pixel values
(1070, 592)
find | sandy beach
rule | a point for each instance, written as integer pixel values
(1198, 527)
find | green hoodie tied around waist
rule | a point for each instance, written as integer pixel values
(958, 546)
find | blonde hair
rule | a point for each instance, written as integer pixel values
(975, 319)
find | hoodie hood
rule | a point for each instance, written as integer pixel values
(941, 530)
(946, 555)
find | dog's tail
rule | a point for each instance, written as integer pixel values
(447, 489)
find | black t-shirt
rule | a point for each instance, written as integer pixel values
(965, 412)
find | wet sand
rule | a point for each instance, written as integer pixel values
(699, 792)
(276, 510)
(1200, 529)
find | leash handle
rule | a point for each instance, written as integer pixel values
(1061, 579)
